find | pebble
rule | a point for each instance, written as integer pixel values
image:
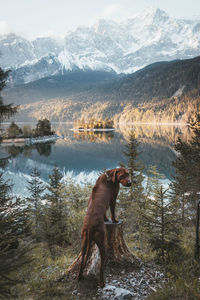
(121, 294)
(132, 285)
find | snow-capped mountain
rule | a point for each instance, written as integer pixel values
(123, 47)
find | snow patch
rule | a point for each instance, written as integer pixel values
(19, 179)
(179, 92)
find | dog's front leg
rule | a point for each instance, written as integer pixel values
(112, 210)
(105, 218)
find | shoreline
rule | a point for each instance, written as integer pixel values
(93, 129)
(30, 141)
(117, 123)
(154, 123)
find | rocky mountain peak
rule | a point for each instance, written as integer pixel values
(123, 47)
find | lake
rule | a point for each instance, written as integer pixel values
(83, 155)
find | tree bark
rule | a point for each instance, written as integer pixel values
(117, 253)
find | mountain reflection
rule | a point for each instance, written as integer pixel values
(87, 152)
(156, 134)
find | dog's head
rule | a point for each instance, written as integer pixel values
(120, 175)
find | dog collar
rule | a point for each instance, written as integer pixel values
(108, 177)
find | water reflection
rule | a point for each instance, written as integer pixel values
(94, 136)
(14, 150)
(43, 149)
(87, 152)
(159, 134)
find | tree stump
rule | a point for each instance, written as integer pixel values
(118, 253)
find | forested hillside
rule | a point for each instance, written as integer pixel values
(161, 92)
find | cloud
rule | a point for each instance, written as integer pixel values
(112, 11)
(4, 28)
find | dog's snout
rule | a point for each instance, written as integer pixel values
(129, 183)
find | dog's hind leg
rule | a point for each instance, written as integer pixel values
(101, 243)
(84, 246)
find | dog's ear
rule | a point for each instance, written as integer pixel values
(114, 175)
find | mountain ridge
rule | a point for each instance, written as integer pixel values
(122, 47)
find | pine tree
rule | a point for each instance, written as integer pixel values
(77, 200)
(55, 226)
(36, 189)
(133, 164)
(161, 218)
(5, 110)
(134, 200)
(186, 181)
(14, 232)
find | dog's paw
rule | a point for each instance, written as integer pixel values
(115, 221)
(106, 219)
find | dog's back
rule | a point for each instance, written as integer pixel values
(98, 203)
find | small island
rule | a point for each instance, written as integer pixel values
(93, 125)
(26, 135)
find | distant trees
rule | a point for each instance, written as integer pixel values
(13, 131)
(43, 128)
(27, 131)
(94, 124)
(165, 110)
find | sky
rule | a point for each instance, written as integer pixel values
(32, 18)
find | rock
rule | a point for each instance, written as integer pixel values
(114, 281)
(122, 294)
(109, 288)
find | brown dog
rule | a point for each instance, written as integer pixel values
(103, 196)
